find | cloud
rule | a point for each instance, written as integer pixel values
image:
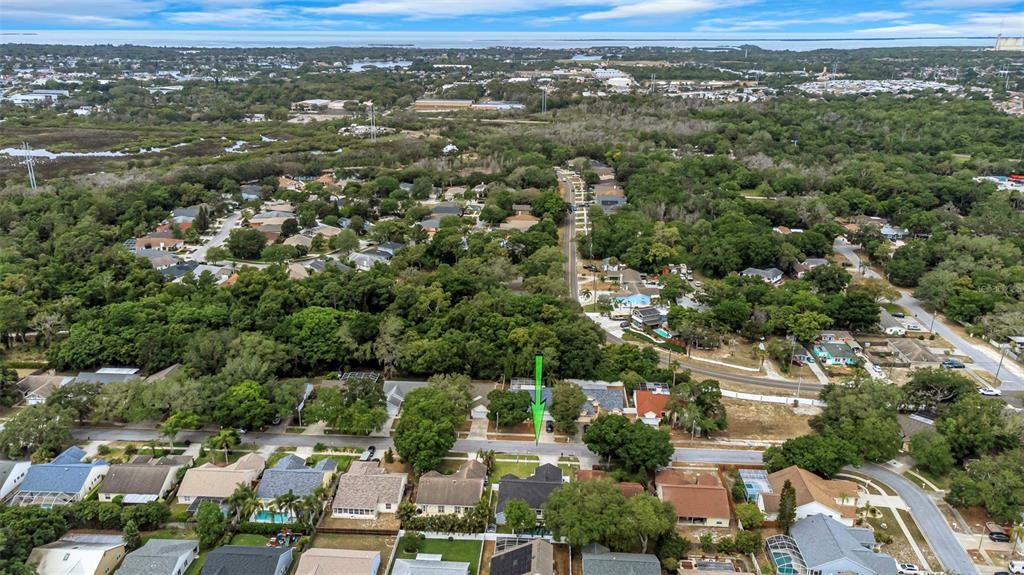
(95, 12)
(785, 21)
(660, 8)
(956, 4)
(918, 29)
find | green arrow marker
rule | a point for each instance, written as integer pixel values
(537, 407)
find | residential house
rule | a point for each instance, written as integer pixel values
(627, 488)
(890, 325)
(839, 336)
(650, 404)
(64, 480)
(142, 480)
(250, 192)
(820, 544)
(513, 556)
(218, 483)
(521, 222)
(602, 397)
(809, 264)
(78, 555)
(395, 392)
(107, 375)
(159, 240)
(646, 317)
(438, 494)
(159, 259)
(300, 241)
(390, 248)
(893, 233)
(698, 498)
(429, 564)
(244, 560)
(838, 354)
(177, 271)
(220, 274)
(535, 490)
(366, 259)
(12, 473)
(430, 225)
(290, 475)
(814, 496)
(37, 388)
(769, 276)
(599, 560)
(445, 209)
(365, 491)
(628, 300)
(320, 561)
(161, 557)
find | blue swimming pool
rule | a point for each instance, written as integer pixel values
(265, 516)
(662, 333)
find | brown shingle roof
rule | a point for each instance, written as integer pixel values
(463, 488)
(693, 494)
(628, 488)
(810, 488)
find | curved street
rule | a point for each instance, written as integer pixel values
(929, 520)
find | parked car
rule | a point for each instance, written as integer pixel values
(989, 391)
(999, 537)
(624, 324)
(550, 427)
(908, 569)
(1016, 567)
(898, 314)
(953, 364)
(913, 327)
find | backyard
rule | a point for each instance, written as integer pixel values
(378, 543)
(455, 550)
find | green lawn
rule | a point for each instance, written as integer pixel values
(250, 540)
(468, 551)
(523, 469)
(343, 460)
(893, 308)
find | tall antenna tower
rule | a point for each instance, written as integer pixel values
(30, 164)
(544, 101)
(652, 83)
(373, 124)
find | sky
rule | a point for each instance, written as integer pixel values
(840, 19)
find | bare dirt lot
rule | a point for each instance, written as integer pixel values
(766, 421)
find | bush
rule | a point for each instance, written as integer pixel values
(268, 529)
(670, 564)
(412, 542)
(103, 450)
(319, 447)
(131, 449)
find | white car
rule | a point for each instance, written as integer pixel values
(990, 391)
(1016, 567)
(908, 569)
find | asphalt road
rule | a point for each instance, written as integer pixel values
(569, 239)
(982, 355)
(692, 455)
(218, 239)
(929, 519)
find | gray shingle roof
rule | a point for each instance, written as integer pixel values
(243, 560)
(822, 539)
(535, 489)
(291, 474)
(157, 557)
(142, 479)
(598, 560)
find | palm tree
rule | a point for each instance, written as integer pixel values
(288, 503)
(224, 439)
(310, 507)
(243, 502)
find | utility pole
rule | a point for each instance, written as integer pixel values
(30, 164)
(1002, 356)
(544, 101)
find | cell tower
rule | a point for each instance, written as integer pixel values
(373, 124)
(30, 164)
(544, 101)
(652, 83)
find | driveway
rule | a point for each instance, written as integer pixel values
(218, 239)
(937, 532)
(983, 356)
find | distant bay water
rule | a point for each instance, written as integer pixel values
(564, 40)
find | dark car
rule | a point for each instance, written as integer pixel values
(953, 364)
(898, 314)
(550, 427)
(999, 537)
(586, 426)
(371, 450)
(624, 324)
